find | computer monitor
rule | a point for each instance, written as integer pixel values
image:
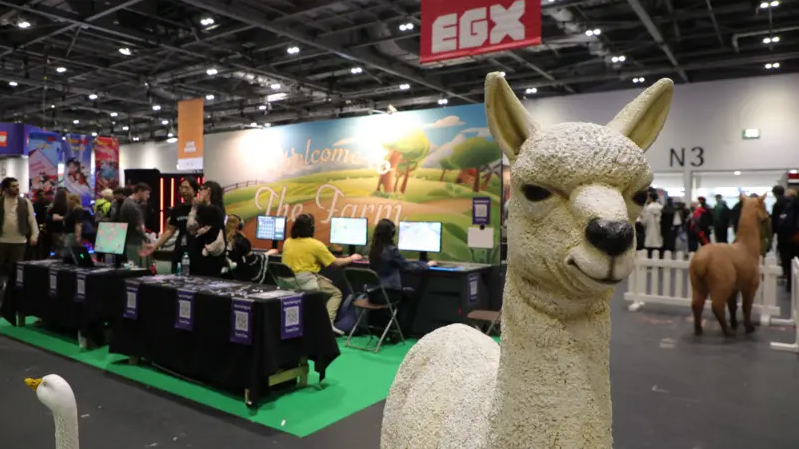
(270, 228)
(111, 238)
(422, 236)
(348, 231)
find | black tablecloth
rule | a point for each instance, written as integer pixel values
(60, 304)
(203, 349)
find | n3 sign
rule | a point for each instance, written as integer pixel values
(458, 28)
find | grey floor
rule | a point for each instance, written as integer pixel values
(670, 391)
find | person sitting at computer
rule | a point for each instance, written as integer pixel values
(306, 256)
(245, 265)
(386, 260)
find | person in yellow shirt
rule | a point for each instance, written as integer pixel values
(306, 256)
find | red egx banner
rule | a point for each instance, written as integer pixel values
(457, 28)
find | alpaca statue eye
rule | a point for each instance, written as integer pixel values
(640, 197)
(535, 193)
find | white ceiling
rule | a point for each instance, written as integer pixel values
(712, 180)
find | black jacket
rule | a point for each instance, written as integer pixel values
(779, 208)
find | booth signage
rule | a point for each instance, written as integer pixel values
(131, 300)
(458, 28)
(185, 312)
(20, 275)
(695, 157)
(53, 276)
(291, 317)
(241, 321)
(481, 211)
(80, 290)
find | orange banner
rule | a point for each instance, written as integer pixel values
(190, 134)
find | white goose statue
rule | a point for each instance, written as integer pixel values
(55, 393)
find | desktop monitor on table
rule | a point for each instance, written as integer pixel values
(272, 228)
(348, 231)
(422, 236)
(111, 239)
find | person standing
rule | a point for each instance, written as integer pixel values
(131, 213)
(781, 203)
(120, 193)
(74, 223)
(206, 226)
(653, 239)
(17, 226)
(176, 223)
(721, 219)
(667, 225)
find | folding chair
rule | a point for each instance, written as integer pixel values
(366, 282)
(490, 317)
(283, 276)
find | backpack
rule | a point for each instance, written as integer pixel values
(101, 210)
(88, 226)
(787, 224)
(347, 313)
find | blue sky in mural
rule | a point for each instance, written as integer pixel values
(358, 142)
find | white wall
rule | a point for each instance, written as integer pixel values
(159, 155)
(16, 167)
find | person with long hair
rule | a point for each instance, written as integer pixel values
(244, 264)
(306, 256)
(386, 260)
(206, 223)
(73, 223)
(55, 220)
(176, 223)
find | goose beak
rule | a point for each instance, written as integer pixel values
(33, 384)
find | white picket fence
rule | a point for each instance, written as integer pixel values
(792, 321)
(666, 281)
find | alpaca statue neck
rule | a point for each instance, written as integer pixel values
(748, 234)
(553, 384)
(66, 431)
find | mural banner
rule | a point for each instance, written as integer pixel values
(412, 166)
(43, 159)
(77, 167)
(190, 134)
(106, 164)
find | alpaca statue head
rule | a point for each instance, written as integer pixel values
(576, 190)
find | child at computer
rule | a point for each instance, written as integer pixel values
(386, 260)
(243, 263)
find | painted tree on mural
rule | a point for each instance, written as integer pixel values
(404, 156)
(474, 157)
(446, 166)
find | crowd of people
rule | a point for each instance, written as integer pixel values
(669, 225)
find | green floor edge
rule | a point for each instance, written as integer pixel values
(356, 380)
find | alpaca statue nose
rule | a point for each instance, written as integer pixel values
(611, 237)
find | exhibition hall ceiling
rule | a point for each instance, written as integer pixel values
(117, 67)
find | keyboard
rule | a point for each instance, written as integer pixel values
(449, 265)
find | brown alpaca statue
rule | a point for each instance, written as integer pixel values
(724, 270)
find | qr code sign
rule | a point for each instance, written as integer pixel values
(480, 210)
(242, 321)
(132, 300)
(185, 309)
(53, 281)
(81, 287)
(473, 287)
(292, 316)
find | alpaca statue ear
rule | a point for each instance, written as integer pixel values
(642, 119)
(508, 120)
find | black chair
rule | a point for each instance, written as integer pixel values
(366, 284)
(283, 276)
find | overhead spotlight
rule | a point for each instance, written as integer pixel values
(267, 125)
(23, 24)
(125, 51)
(443, 101)
(209, 97)
(793, 172)
(94, 134)
(736, 173)
(253, 124)
(404, 86)
(156, 107)
(638, 80)
(772, 4)
(164, 122)
(530, 90)
(113, 114)
(207, 21)
(13, 83)
(171, 140)
(170, 135)
(774, 65)
(52, 106)
(275, 86)
(356, 70)
(212, 71)
(618, 59)
(502, 74)
(262, 107)
(771, 40)
(61, 69)
(293, 50)
(136, 138)
(76, 121)
(92, 96)
(125, 128)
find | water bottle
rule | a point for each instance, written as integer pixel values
(185, 262)
(178, 269)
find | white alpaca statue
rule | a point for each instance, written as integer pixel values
(577, 188)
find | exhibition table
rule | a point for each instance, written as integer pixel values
(67, 297)
(229, 334)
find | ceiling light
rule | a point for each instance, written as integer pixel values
(156, 107)
(92, 96)
(212, 71)
(275, 86)
(207, 22)
(125, 128)
(443, 101)
(406, 27)
(736, 173)
(618, 59)
(164, 122)
(774, 65)
(125, 51)
(404, 86)
(594, 32)
(76, 121)
(253, 124)
(113, 114)
(52, 106)
(793, 172)
(771, 40)
(136, 139)
(61, 69)
(13, 83)
(267, 125)
(356, 70)
(530, 90)
(170, 135)
(262, 107)
(171, 140)
(638, 80)
(293, 50)
(23, 24)
(94, 134)
(209, 97)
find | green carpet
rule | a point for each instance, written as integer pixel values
(354, 381)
